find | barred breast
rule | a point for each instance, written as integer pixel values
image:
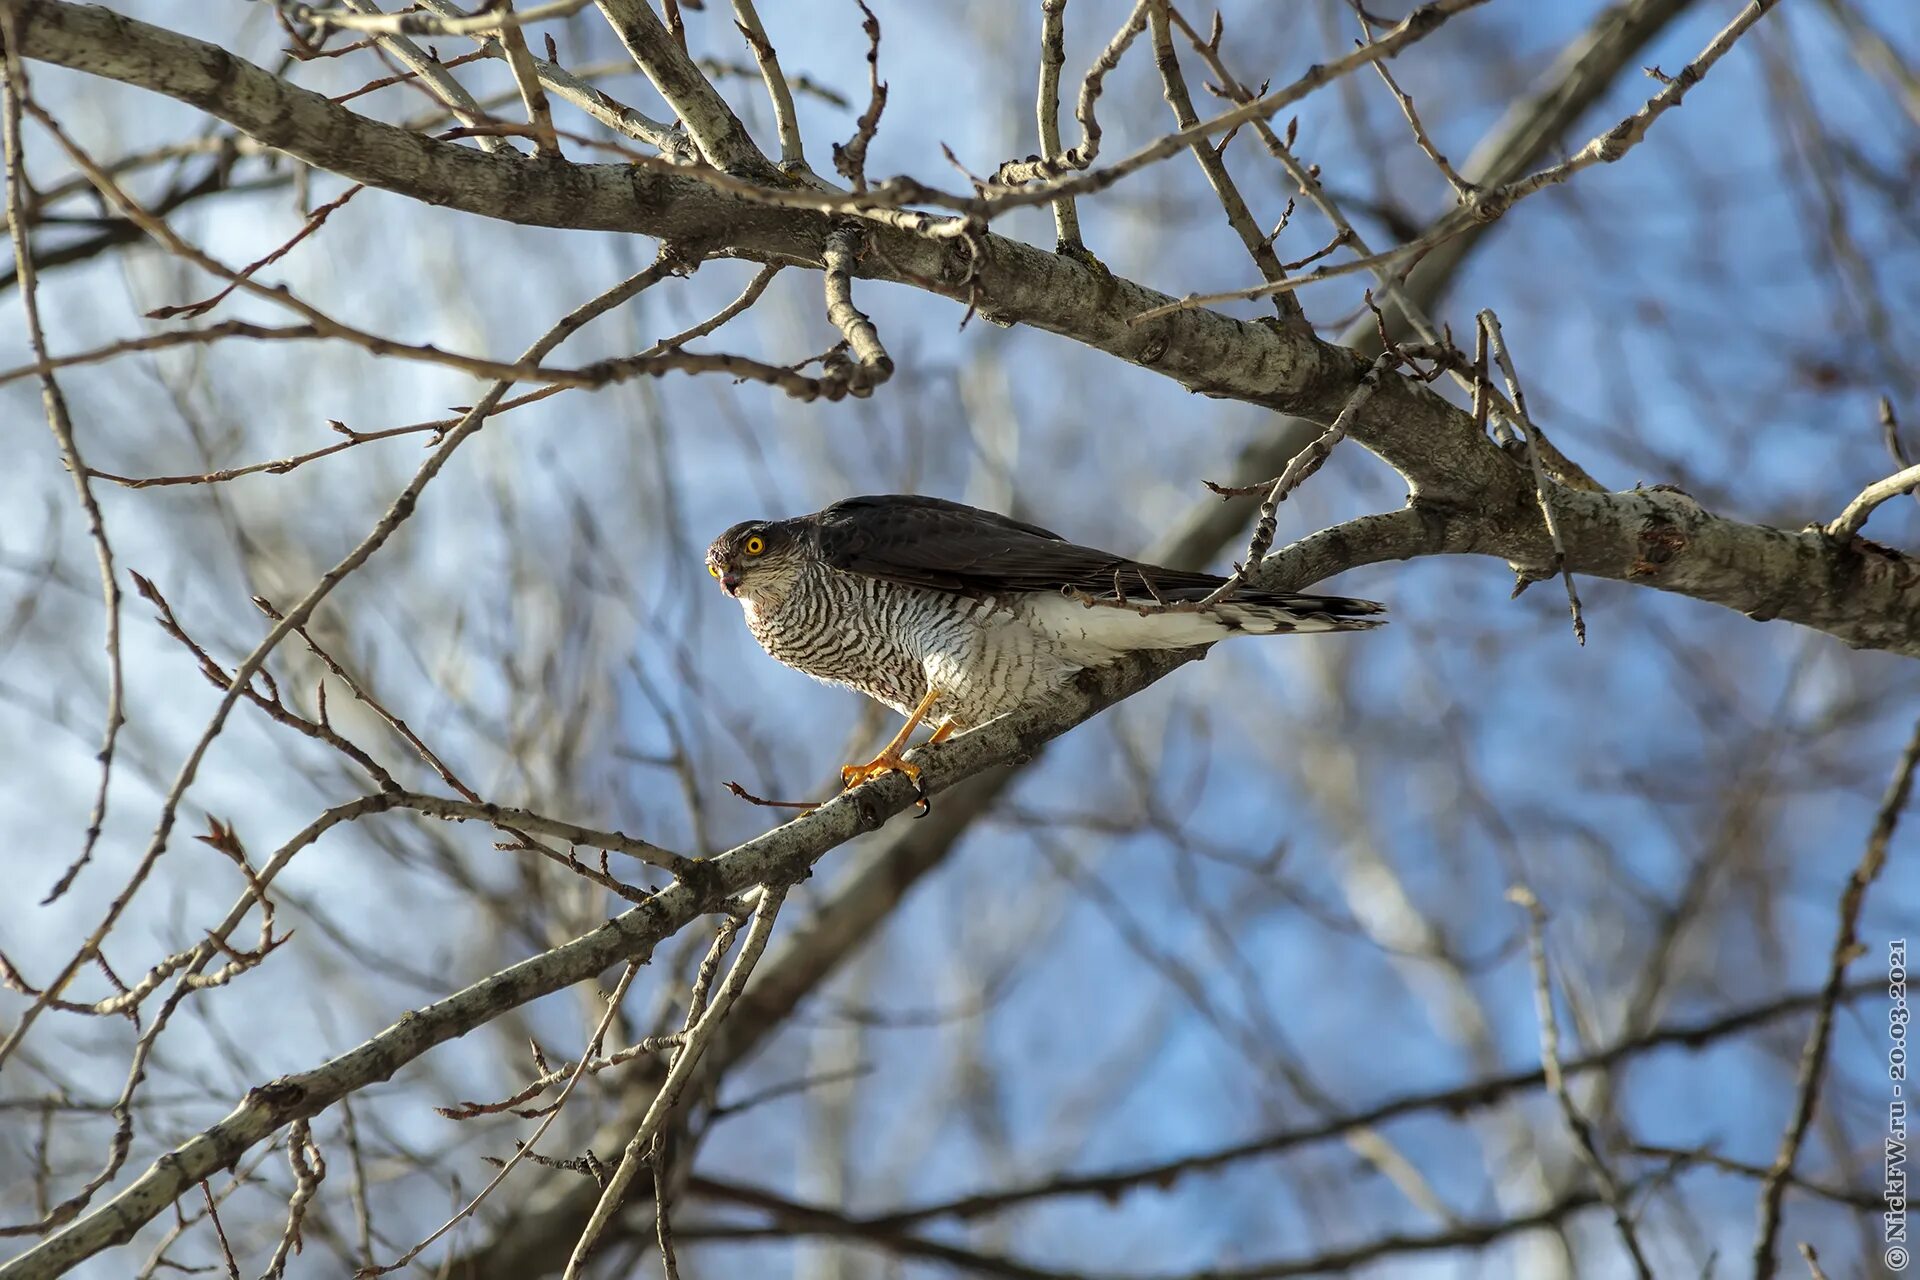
(888, 641)
(844, 630)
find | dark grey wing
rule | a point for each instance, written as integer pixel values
(930, 542)
(947, 546)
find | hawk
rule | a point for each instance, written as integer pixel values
(953, 615)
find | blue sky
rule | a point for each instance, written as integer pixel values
(1676, 318)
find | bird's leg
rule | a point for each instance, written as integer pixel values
(941, 734)
(889, 761)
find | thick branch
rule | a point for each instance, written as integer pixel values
(779, 856)
(1864, 595)
(1578, 79)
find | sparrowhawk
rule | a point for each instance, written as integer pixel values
(955, 615)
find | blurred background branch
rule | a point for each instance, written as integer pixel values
(1221, 982)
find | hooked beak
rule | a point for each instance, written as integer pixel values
(730, 582)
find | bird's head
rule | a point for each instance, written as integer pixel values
(756, 559)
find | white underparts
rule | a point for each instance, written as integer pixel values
(1097, 634)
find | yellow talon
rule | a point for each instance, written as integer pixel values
(854, 774)
(889, 761)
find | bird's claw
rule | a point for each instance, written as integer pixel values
(853, 775)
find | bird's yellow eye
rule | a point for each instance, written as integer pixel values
(714, 569)
(755, 545)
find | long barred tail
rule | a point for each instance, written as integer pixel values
(1093, 631)
(1272, 613)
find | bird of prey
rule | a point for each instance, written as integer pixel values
(954, 615)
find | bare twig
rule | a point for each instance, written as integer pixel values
(280, 466)
(1302, 465)
(850, 161)
(498, 17)
(1849, 521)
(1629, 133)
(1890, 433)
(269, 701)
(577, 88)
(1846, 948)
(471, 807)
(793, 159)
(1387, 260)
(739, 169)
(185, 967)
(410, 75)
(357, 1186)
(220, 1232)
(396, 514)
(1490, 324)
(1581, 1128)
(1032, 179)
(644, 1046)
(737, 871)
(1487, 205)
(438, 426)
(431, 72)
(1384, 267)
(723, 141)
(309, 1169)
(526, 77)
(314, 222)
(1040, 169)
(1095, 80)
(524, 1150)
(1461, 187)
(791, 1219)
(601, 373)
(60, 420)
(1454, 1101)
(242, 1176)
(1053, 56)
(1853, 1199)
(747, 297)
(802, 84)
(1213, 164)
(540, 824)
(323, 325)
(1306, 179)
(663, 1228)
(872, 365)
(699, 1034)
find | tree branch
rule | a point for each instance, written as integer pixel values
(1474, 1096)
(779, 856)
(716, 130)
(1866, 596)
